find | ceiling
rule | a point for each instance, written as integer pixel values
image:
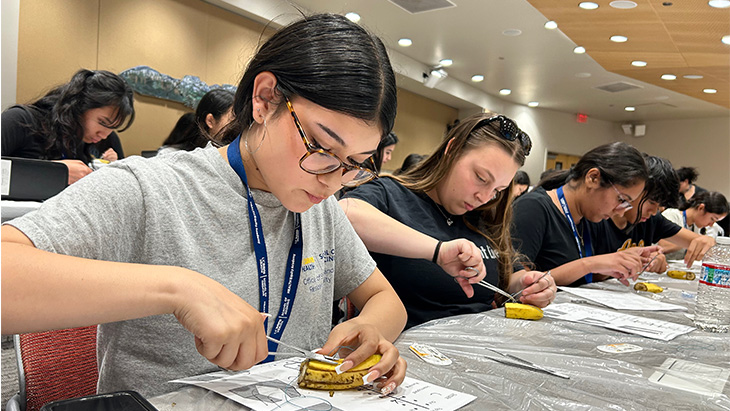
(539, 64)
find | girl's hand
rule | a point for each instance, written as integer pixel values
(366, 340)
(228, 331)
(539, 292)
(76, 170)
(455, 256)
(623, 265)
(659, 265)
(697, 249)
(110, 155)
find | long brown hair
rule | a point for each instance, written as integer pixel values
(492, 220)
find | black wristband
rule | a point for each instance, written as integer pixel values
(436, 252)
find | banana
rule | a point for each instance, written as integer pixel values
(682, 275)
(318, 375)
(522, 311)
(652, 288)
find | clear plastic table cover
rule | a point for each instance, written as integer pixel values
(598, 380)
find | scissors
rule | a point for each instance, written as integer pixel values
(307, 354)
(521, 362)
(512, 297)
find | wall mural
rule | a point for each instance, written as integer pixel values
(150, 82)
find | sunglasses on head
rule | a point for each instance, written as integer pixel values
(508, 130)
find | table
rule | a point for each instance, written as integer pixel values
(598, 380)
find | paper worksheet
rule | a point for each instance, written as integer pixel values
(622, 300)
(614, 320)
(273, 386)
(691, 376)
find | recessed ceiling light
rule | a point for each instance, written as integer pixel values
(446, 62)
(405, 42)
(638, 63)
(693, 76)
(551, 25)
(630, 108)
(505, 92)
(619, 39)
(726, 39)
(709, 91)
(669, 77)
(720, 4)
(512, 32)
(622, 4)
(533, 104)
(477, 78)
(588, 5)
(579, 50)
(353, 17)
(582, 75)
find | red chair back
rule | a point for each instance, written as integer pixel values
(58, 365)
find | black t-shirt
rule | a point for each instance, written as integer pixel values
(425, 289)
(542, 233)
(18, 141)
(607, 238)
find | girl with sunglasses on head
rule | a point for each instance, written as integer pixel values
(550, 221)
(66, 123)
(643, 225)
(198, 245)
(449, 216)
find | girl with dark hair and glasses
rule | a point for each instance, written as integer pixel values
(550, 221)
(699, 216)
(197, 245)
(643, 225)
(448, 216)
(66, 123)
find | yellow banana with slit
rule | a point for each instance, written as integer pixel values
(318, 375)
(682, 275)
(649, 287)
(522, 311)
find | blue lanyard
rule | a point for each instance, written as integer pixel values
(294, 269)
(684, 218)
(586, 236)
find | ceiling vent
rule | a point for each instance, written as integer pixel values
(618, 86)
(422, 6)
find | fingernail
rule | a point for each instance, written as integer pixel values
(371, 376)
(387, 389)
(344, 367)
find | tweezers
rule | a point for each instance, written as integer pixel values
(307, 354)
(521, 362)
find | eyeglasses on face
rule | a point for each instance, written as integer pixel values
(319, 161)
(509, 131)
(623, 203)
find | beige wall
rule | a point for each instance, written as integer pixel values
(420, 126)
(175, 37)
(701, 143)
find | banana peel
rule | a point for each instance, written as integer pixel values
(317, 375)
(522, 311)
(649, 287)
(682, 275)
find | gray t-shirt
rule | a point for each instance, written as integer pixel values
(189, 209)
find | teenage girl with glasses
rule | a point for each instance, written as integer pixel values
(702, 211)
(643, 225)
(549, 222)
(218, 236)
(449, 212)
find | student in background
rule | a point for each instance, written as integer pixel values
(550, 221)
(521, 184)
(643, 225)
(110, 149)
(687, 177)
(165, 255)
(186, 135)
(63, 124)
(385, 150)
(449, 212)
(699, 215)
(408, 162)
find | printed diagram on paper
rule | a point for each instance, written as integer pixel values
(622, 300)
(646, 327)
(273, 386)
